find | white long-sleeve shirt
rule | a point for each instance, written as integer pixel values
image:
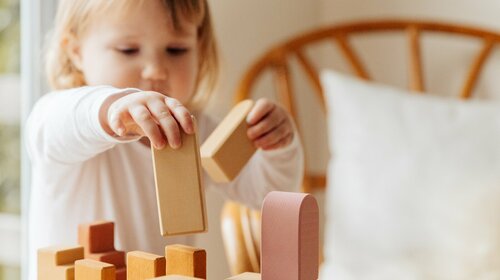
(81, 174)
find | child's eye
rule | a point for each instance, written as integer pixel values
(128, 51)
(177, 51)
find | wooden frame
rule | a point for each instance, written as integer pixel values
(277, 61)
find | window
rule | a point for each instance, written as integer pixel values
(10, 151)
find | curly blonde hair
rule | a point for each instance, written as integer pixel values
(74, 16)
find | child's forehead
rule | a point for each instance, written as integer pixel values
(128, 12)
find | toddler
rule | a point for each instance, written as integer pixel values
(128, 74)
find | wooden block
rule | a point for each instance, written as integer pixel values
(175, 277)
(59, 255)
(98, 237)
(179, 189)
(246, 276)
(93, 270)
(186, 261)
(116, 258)
(143, 265)
(290, 237)
(228, 148)
(60, 272)
(121, 273)
(57, 263)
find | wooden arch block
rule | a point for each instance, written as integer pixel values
(290, 237)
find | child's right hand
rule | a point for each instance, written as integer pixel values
(151, 114)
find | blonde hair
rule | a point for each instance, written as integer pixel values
(73, 17)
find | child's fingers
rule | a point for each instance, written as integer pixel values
(282, 143)
(181, 114)
(116, 124)
(265, 125)
(167, 122)
(143, 118)
(261, 108)
(274, 136)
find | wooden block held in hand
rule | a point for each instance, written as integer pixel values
(93, 270)
(179, 189)
(290, 237)
(98, 237)
(227, 150)
(186, 261)
(143, 265)
(246, 276)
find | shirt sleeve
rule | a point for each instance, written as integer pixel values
(275, 170)
(64, 126)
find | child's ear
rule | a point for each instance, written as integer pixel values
(72, 47)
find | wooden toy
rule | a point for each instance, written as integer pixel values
(94, 270)
(57, 263)
(186, 260)
(175, 277)
(290, 230)
(97, 237)
(143, 265)
(98, 240)
(179, 189)
(246, 276)
(228, 148)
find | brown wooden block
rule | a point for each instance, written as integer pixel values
(98, 237)
(116, 258)
(175, 277)
(186, 260)
(121, 273)
(246, 276)
(93, 270)
(228, 148)
(290, 237)
(179, 189)
(143, 265)
(60, 272)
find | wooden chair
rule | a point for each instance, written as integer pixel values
(241, 225)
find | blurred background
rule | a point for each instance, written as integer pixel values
(245, 29)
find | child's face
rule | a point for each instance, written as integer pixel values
(140, 48)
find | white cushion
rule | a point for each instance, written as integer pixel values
(413, 184)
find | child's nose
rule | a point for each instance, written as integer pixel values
(154, 71)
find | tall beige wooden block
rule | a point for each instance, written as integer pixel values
(179, 189)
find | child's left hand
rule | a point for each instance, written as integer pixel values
(270, 125)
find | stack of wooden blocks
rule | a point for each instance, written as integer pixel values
(66, 263)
